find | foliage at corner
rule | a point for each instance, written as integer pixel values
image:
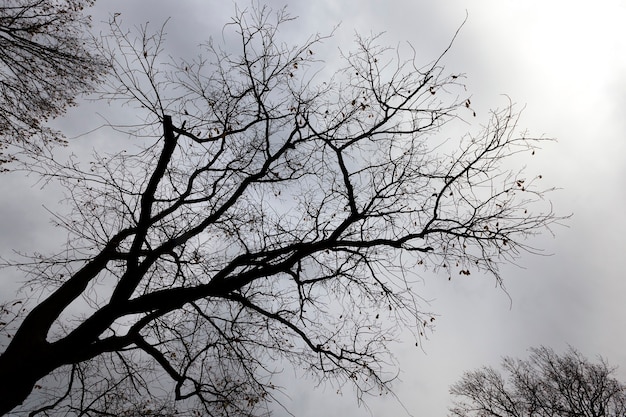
(544, 385)
(45, 63)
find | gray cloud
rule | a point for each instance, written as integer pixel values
(556, 60)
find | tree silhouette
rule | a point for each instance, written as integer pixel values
(266, 216)
(44, 64)
(546, 384)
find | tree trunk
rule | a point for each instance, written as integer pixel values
(21, 366)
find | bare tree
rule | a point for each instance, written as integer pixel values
(267, 216)
(544, 385)
(44, 64)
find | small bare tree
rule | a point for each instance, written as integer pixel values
(44, 64)
(544, 385)
(267, 216)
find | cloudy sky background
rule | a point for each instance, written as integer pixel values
(566, 62)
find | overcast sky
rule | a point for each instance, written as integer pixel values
(566, 62)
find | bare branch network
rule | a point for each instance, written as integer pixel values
(269, 217)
